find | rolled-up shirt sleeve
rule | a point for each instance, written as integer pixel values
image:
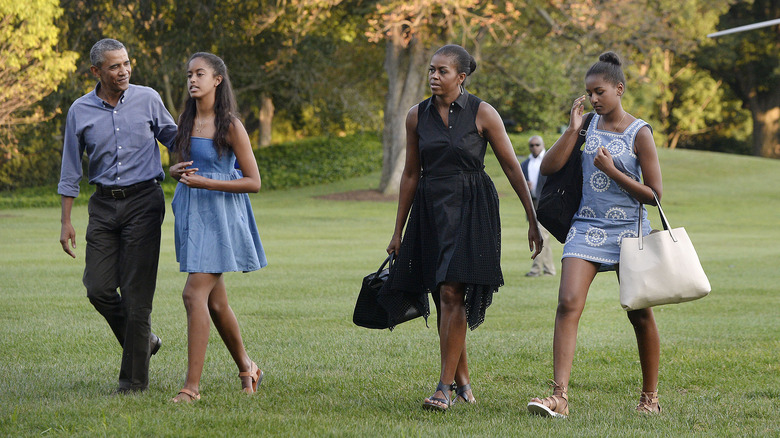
(72, 151)
(164, 127)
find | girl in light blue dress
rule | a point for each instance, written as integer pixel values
(620, 169)
(215, 228)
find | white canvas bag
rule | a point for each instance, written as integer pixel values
(660, 268)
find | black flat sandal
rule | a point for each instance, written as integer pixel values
(435, 403)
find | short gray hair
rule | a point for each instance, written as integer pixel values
(97, 53)
(541, 140)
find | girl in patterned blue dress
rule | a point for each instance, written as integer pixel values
(215, 228)
(620, 169)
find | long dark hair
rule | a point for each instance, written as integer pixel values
(225, 110)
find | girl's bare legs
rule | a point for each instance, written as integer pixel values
(227, 325)
(649, 344)
(452, 334)
(576, 277)
(196, 297)
(205, 296)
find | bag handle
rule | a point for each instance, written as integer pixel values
(664, 221)
(390, 258)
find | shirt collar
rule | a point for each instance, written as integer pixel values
(100, 102)
(463, 98)
(460, 101)
(541, 155)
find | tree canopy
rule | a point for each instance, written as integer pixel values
(313, 67)
(31, 67)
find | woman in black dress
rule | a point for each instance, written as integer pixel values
(452, 244)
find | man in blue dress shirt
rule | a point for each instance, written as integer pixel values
(118, 125)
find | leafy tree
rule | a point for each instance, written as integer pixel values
(32, 67)
(278, 52)
(749, 62)
(410, 30)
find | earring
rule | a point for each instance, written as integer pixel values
(462, 90)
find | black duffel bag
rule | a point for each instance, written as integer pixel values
(562, 192)
(369, 313)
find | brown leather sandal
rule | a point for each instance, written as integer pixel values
(192, 396)
(556, 405)
(648, 403)
(257, 376)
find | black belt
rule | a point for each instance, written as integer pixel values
(452, 173)
(122, 192)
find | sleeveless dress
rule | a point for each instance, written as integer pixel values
(607, 213)
(453, 233)
(215, 231)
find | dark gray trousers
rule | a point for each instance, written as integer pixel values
(123, 248)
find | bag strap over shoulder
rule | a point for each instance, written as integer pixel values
(664, 221)
(584, 131)
(586, 123)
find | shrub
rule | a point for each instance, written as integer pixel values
(300, 163)
(318, 160)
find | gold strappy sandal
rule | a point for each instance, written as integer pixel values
(648, 403)
(191, 396)
(257, 376)
(556, 405)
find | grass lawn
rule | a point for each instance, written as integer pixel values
(720, 373)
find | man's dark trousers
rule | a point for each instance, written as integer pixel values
(123, 249)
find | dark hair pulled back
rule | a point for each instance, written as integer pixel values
(610, 67)
(464, 62)
(225, 109)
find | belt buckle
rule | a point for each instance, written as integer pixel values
(118, 193)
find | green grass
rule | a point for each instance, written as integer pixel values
(324, 376)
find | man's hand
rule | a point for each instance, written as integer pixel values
(68, 239)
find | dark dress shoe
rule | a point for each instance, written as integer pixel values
(154, 343)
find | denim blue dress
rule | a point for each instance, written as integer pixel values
(607, 213)
(215, 231)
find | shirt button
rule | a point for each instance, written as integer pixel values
(114, 111)
(117, 129)
(118, 178)
(120, 147)
(450, 127)
(120, 163)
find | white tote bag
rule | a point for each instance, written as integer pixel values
(660, 268)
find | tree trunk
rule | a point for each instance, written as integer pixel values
(265, 117)
(766, 131)
(405, 66)
(169, 97)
